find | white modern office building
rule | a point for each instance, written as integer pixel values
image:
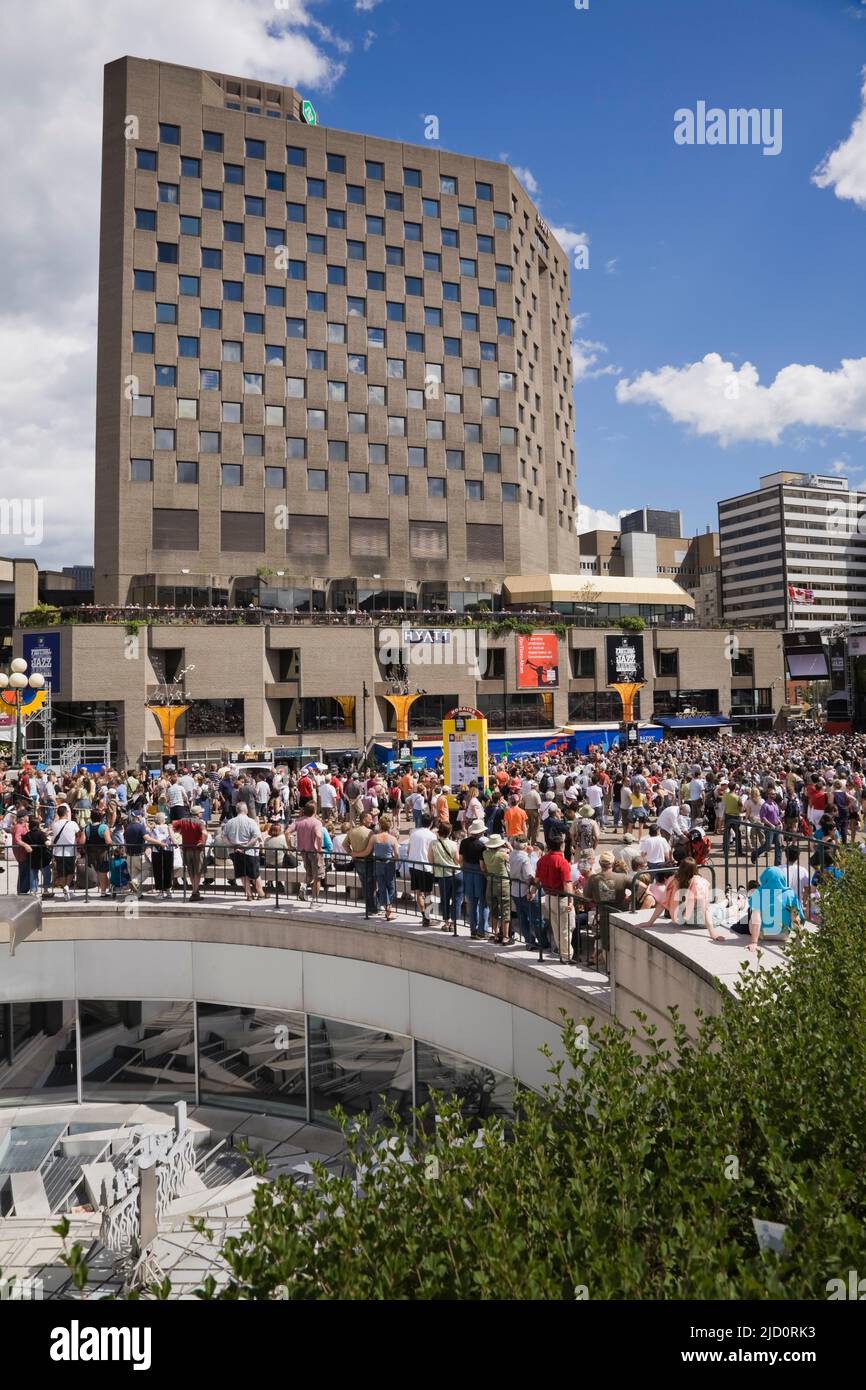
(793, 552)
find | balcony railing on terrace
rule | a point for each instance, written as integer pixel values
(133, 616)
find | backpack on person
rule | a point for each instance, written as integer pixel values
(793, 809)
(92, 834)
(585, 833)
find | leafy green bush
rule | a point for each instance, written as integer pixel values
(636, 1176)
(43, 615)
(632, 624)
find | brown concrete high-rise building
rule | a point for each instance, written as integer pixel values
(330, 366)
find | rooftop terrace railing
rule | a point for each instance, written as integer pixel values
(133, 616)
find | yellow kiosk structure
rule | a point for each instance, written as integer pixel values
(464, 745)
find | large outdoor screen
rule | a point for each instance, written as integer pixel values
(807, 666)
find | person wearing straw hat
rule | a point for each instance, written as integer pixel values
(498, 897)
(471, 860)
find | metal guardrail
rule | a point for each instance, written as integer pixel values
(485, 907)
(750, 846)
(257, 617)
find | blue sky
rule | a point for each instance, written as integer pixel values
(719, 329)
(693, 250)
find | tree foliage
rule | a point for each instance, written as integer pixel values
(638, 1175)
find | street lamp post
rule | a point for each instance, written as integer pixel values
(18, 680)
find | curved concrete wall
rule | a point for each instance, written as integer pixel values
(653, 969)
(455, 995)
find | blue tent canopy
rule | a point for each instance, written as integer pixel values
(696, 721)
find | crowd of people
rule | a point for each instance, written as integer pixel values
(536, 856)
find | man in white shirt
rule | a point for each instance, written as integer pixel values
(595, 799)
(655, 848)
(327, 795)
(263, 793)
(671, 821)
(697, 787)
(177, 800)
(418, 855)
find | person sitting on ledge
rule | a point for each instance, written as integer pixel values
(686, 900)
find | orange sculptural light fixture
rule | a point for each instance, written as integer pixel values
(401, 705)
(167, 716)
(626, 690)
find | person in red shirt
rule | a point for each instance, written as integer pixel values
(553, 872)
(306, 790)
(193, 838)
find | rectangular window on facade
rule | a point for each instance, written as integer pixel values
(186, 472)
(244, 531)
(317, 480)
(145, 159)
(583, 662)
(169, 134)
(174, 529)
(398, 485)
(141, 470)
(428, 540)
(358, 482)
(484, 543)
(232, 475)
(369, 538)
(275, 477)
(307, 536)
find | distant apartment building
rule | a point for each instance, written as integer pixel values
(331, 366)
(793, 553)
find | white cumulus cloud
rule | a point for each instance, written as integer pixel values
(587, 353)
(528, 179)
(714, 397)
(844, 168)
(596, 519)
(51, 69)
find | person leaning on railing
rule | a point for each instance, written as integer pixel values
(494, 867)
(553, 872)
(446, 871)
